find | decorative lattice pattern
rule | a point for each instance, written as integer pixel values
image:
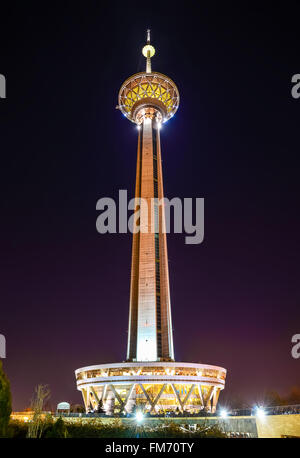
(153, 85)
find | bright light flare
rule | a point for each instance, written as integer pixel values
(223, 413)
(139, 417)
(260, 412)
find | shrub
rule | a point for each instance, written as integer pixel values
(5, 402)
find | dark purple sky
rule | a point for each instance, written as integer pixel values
(234, 141)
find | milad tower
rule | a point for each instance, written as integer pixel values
(150, 378)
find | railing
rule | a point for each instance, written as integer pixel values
(271, 410)
(276, 410)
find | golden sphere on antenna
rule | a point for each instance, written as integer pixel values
(148, 49)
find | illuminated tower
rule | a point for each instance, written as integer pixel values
(149, 99)
(150, 377)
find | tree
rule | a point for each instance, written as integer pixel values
(294, 395)
(272, 398)
(100, 408)
(77, 408)
(5, 402)
(236, 402)
(36, 426)
(58, 429)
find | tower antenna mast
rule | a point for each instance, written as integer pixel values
(148, 52)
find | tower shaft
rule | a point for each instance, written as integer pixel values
(150, 325)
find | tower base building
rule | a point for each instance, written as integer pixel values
(153, 387)
(150, 379)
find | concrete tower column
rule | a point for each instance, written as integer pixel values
(150, 324)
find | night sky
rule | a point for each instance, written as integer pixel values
(64, 291)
